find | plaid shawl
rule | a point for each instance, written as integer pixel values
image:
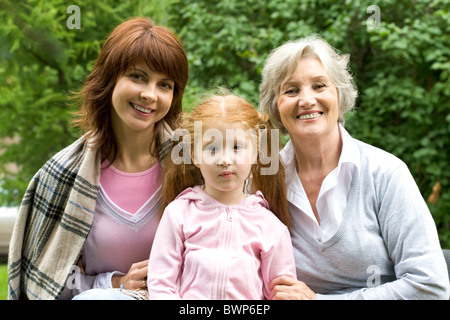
(53, 222)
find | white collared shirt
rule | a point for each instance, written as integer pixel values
(333, 193)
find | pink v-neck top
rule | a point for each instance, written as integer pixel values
(129, 191)
(125, 223)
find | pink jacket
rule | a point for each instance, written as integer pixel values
(206, 250)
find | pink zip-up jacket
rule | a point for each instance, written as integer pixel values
(204, 249)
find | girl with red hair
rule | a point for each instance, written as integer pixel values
(215, 240)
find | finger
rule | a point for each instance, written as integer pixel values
(277, 296)
(280, 289)
(272, 293)
(282, 280)
(275, 282)
(139, 265)
(80, 265)
(138, 274)
(285, 296)
(291, 294)
(138, 284)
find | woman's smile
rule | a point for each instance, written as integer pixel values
(141, 109)
(309, 115)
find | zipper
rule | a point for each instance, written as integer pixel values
(229, 215)
(222, 274)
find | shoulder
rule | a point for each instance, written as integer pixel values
(75, 164)
(270, 229)
(257, 210)
(177, 204)
(377, 160)
(61, 163)
(176, 209)
(386, 175)
(69, 155)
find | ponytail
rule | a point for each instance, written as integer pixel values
(178, 177)
(272, 185)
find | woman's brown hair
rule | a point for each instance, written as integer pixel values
(228, 108)
(135, 40)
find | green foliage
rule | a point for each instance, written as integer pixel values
(402, 68)
(227, 41)
(3, 282)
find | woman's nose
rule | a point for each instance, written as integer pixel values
(307, 98)
(149, 93)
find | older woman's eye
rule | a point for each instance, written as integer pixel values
(319, 86)
(291, 91)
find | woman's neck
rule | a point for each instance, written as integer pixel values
(320, 155)
(134, 152)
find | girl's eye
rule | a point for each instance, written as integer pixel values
(210, 148)
(238, 147)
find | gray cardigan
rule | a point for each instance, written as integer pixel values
(386, 246)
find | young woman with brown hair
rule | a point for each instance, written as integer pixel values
(89, 215)
(214, 240)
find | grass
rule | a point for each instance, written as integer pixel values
(3, 282)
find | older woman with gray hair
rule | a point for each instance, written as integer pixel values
(360, 227)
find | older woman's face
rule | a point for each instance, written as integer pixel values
(308, 101)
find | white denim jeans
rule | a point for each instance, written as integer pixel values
(102, 294)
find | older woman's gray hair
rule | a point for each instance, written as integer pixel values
(282, 63)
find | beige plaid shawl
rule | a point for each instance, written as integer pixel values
(53, 222)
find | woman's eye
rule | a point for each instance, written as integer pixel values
(291, 91)
(319, 86)
(167, 85)
(136, 76)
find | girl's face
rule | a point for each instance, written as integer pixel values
(225, 155)
(308, 101)
(140, 99)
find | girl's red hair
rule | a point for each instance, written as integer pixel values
(228, 108)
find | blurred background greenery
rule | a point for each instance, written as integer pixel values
(402, 69)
